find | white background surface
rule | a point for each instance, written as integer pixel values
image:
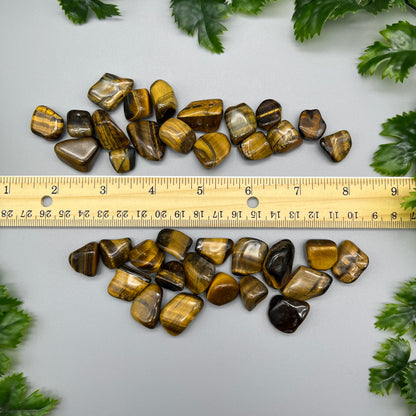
(83, 346)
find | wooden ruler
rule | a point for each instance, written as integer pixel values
(74, 201)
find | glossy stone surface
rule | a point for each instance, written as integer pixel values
(108, 133)
(85, 259)
(109, 91)
(287, 314)
(163, 99)
(248, 256)
(337, 145)
(127, 284)
(137, 105)
(173, 242)
(241, 122)
(146, 306)
(144, 135)
(199, 273)
(268, 114)
(351, 262)
(203, 115)
(223, 289)
(114, 253)
(46, 123)
(80, 154)
(256, 147)
(123, 160)
(216, 250)
(171, 276)
(306, 283)
(211, 149)
(177, 135)
(180, 312)
(284, 137)
(79, 123)
(321, 254)
(147, 256)
(311, 124)
(252, 291)
(278, 263)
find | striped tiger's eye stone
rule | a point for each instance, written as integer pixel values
(311, 124)
(268, 114)
(137, 104)
(127, 284)
(144, 135)
(177, 135)
(252, 292)
(80, 154)
(46, 123)
(306, 283)
(241, 122)
(85, 259)
(351, 262)
(284, 137)
(223, 289)
(202, 115)
(174, 242)
(337, 145)
(216, 250)
(146, 306)
(198, 273)
(147, 256)
(321, 254)
(114, 253)
(123, 160)
(79, 123)
(163, 99)
(255, 147)
(211, 149)
(108, 133)
(180, 312)
(171, 276)
(110, 91)
(248, 256)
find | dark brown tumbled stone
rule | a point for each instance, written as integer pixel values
(337, 145)
(146, 306)
(114, 253)
(171, 276)
(202, 115)
(223, 289)
(46, 123)
(284, 137)
(252, 291)
(127, 284)
(216, 250)
(147, 256)
(137, 104)
(351, 262)
(268, 114)
(311, 124)
(79, 123)
(199, 273)
(256, 147)
(177, 135)
(211, 149)
(248, 256)
(163, 99)
(144, 135)
(174, 242)
(123, 160)
(85, 259)
(241, 122)
(108, 133)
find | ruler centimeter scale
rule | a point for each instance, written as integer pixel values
(269, 202)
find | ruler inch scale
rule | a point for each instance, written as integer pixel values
(212, 202)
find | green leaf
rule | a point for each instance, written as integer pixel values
(4, 364)
(77, 10)
(409, 389)
(410, 201)
(15, 402)
(6, 301)
(203, 16)
(396, 159)
(12, 325)
(249, 6)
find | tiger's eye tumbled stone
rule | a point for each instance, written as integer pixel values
(337, 145)
(177, 135)
(127, 284)
(268, 114)
(321, 254)
(46, 123)
(256, 147)
(198, 273)
(108, 133)
(211, 149)
(241, 122)
(202, 115)
(311, 124)
(284, 137)
(85, 259)
(123, 160)
(147, 256)
(171, 276)
(223, 289)
(146, 306)
(180, 312)
(351, 262)
(144, 135)
(173, 242)
(163, 99)
(252, 291)
(248, 256)
(114, 253)
(216, 250)
(137, 104)
(109, 91)
(79, 123)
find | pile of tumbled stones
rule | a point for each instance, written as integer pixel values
(196, 271)
(149, 138)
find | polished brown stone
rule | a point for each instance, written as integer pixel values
(46, 123)
(114, 253)
(144, 135)
(211, 149)
(137, 104)
(163, 99)
(174, 242)
(85, 259)
(321, 254)
(248, 256)
(147, 256)
(256, 147)
(223, 289)
(171, 276)
(203, 115)
(351, 262)
(252, 291)
(127, 284)
(123, 160)
(268, 114)
(146, 306)
(216, 250)
(241, 122)
(337, 145)
(199, 273)
(79, 123)
(108, 133)
(177, 135)
(311, 124)
(284, 137)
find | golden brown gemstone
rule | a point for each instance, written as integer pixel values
(79, 123)
(80, 154)
(85, 259)
(252, 291)
(114, 253)
(164, 100)
(255, 147)
(180, 312)
(202, 115)
(241, 122)
(306, 283)
(337, 145)
(216, 250)
(137, 104)
(351, 262)
(311, 124)
(46, 123)
(109, 91)
(268, 114)
(171, 276)
(123, 160)
(211, 149)
(198, 273)
(177, 135)
(108, 133)
(174, 242)
(284, 137)
(127, 284)
(223, 289)
(144, 135)
(321, 254)
(248, 256)
(146, 306)
(147, 256)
